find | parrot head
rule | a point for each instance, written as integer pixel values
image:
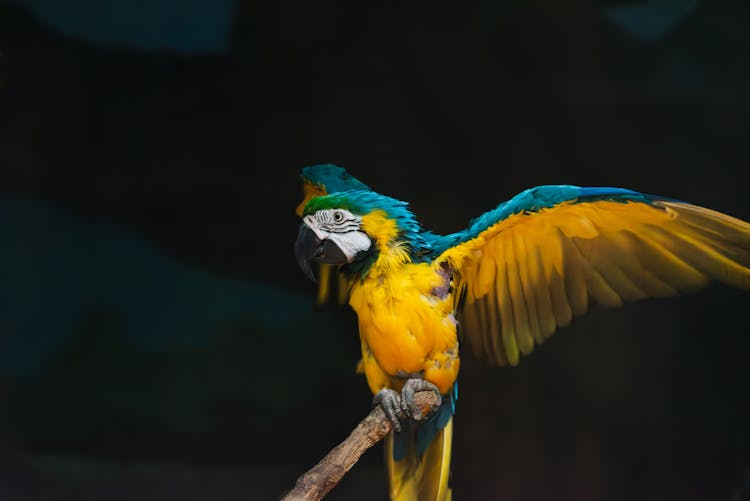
(331, 233)
(350, 228)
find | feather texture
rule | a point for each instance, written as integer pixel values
(609, 251)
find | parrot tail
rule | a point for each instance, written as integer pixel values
(418, 459)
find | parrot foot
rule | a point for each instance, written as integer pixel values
(390, 400)
(411, 387)
(395, 406)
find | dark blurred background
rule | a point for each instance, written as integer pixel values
(157, 340)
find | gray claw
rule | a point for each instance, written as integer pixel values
(411, 387)
(390, 400)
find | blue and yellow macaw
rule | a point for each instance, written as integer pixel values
(507, 282)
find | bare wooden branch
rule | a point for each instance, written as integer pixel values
(324, 476)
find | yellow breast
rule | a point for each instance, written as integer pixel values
(406, 330)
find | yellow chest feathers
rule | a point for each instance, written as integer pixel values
(405, 313)
(405, 316)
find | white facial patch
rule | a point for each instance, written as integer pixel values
(342, 228)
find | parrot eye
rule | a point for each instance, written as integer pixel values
(338, 216)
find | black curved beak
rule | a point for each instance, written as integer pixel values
(309, 247)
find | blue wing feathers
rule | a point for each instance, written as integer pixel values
(534, 200)
(544, 197)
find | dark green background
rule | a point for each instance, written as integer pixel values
(157, 340)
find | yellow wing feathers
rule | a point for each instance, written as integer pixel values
(533, 272)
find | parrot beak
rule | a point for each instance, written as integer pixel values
(309, 247)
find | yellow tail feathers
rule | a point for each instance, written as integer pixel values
(421, 478)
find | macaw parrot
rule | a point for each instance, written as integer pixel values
(506, 283)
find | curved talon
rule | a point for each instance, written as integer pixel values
(390, 400)
(409, 405)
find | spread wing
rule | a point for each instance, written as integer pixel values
(319, 180)
(536, 261)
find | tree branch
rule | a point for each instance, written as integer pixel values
(321, 478)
